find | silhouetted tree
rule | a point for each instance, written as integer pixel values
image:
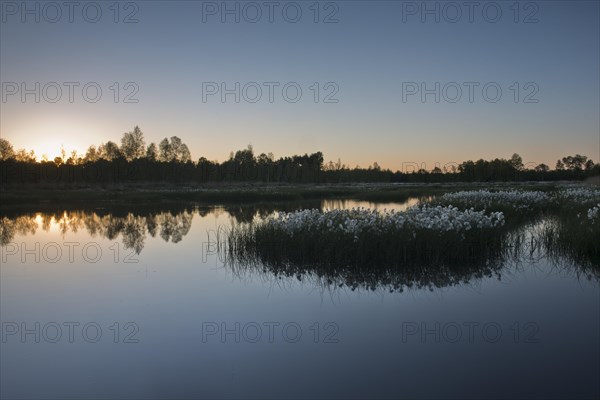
(589, 165)
(152, 152)
(109, 151)
(516, 161)
(574, 163)
(6, 150)
(173, 150)
(133, 145)
(73, 159)
(542, 168)
(91, 155)
(183, 154)
(23, 155)
(165, 152)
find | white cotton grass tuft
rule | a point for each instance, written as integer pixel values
(356, 222)
(593, 213)
(580, 195)
(517, 199)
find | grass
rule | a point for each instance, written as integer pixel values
(424, 263)
(380, 243)
(567, 233)
(26, 196)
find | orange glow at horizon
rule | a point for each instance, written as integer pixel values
(49, 137)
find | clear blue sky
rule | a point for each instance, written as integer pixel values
(370, 54)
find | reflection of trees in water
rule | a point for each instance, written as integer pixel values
(171, 225)
(247, 212)
(134, 233)
(174, 227)
(133, 228)
(23, 225)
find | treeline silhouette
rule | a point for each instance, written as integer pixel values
(170, 161)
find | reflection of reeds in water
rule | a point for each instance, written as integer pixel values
(401, 262)
(575, 239)
(421, 259)
(572, 232)
(409, 267)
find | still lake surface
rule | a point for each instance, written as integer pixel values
(139, 303)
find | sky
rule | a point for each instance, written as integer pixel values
(396, 82)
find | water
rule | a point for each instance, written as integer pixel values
(176, 322)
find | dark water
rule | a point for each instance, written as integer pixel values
(138, 303)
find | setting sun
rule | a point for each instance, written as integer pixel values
(50, 137)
